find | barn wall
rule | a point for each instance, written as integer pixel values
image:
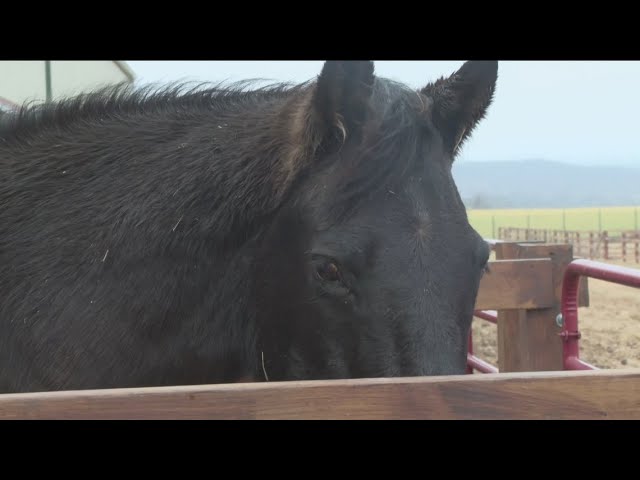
(72, 77)
(22, 81)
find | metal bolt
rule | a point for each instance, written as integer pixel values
(559, 320)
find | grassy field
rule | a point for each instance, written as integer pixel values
(487, 222)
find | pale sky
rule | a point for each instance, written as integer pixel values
(578, 112)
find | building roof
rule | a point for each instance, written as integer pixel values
(7, 105)
(126, 69)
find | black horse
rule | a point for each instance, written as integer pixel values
(176, 236)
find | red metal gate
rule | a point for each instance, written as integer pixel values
(568, 319)
(569, 316)
(473, 362)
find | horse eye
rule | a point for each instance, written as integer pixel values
(329, 271)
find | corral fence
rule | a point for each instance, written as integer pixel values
(621, 245)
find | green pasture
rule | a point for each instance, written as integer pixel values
(487, 222)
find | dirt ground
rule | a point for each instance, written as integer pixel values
(610, 327)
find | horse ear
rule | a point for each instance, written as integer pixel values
(462, 100)
(342, 95)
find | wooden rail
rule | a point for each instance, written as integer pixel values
(541, 395)
(607, 245)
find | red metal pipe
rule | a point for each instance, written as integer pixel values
(603, 271)
(484, 367)
(470, 353)
(488, 315)
(480, 365)
(573, 363)
(571, 281)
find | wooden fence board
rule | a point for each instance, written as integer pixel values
(608, 394)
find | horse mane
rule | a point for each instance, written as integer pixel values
(121, 99)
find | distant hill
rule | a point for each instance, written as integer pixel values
(545, 184)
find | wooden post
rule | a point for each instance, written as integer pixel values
(605, 239)
(599, 220)
(528, 339)
(624, 247)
